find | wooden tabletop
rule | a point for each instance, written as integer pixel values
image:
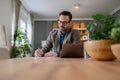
(58, 69)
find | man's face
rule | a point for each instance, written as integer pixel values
(63, 22)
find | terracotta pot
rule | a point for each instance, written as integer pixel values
(116, 50)
(99, 49)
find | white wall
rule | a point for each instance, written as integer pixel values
(6, 17)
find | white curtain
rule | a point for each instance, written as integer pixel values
(29, 29)
(25, 23)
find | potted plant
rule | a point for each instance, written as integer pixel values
(22, 48)
(99, 35)
(115, 35)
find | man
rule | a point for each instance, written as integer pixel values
(57, 38)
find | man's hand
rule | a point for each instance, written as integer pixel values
(38, 53)
(51, 54)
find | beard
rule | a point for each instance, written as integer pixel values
(62, 28)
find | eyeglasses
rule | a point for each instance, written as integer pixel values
(63, 22)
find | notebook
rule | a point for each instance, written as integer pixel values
(72, 51)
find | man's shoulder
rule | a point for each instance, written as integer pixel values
(54, 31)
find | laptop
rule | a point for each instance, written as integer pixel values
(72, 51)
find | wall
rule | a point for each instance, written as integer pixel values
(6, 20)
(117, 14)
(41, 31)
(6, 17)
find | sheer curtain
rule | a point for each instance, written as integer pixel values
(29, 29)
(25, 23)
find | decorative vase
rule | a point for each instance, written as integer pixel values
(116, 50)
(99, 49)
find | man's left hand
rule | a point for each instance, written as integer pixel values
(50, 54)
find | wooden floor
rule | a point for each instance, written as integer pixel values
(58, 69)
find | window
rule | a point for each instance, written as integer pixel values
(25, 23)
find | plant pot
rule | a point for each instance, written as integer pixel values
(116, 50)
(99, 49)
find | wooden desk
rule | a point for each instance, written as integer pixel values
(58, 69)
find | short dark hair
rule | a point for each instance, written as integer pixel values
(66, 13)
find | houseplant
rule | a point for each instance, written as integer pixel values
(22, 46)
(99, 35)
(115, 35)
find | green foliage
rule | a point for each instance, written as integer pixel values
(100, 27)
(22, 46)
(115, 33)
